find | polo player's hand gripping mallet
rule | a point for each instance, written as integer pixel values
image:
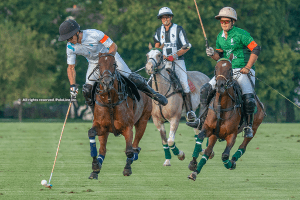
(206, 42)
(45, 182)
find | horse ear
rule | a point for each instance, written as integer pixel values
(162, 46)
(231, 57)
(150, 46)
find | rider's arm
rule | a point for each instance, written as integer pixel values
(255, 51)
(108, 43)
(71, 74)
(113, 49)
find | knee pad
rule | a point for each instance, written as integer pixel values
(249, 103)
(204, 93)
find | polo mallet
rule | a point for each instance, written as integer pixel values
(44, 182)
(206, 42)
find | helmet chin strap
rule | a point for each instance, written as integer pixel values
(77, 34)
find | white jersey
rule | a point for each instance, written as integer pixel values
(94, 42)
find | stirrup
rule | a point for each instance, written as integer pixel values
(248, 132)
(194, 124)
(190, 116)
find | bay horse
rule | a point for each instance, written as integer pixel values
(223, 118)
(173, 111)
(116, 113)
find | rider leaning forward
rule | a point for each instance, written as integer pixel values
(236, 41)
(89, 43)
(174, 38)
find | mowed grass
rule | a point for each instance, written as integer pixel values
(270, 168)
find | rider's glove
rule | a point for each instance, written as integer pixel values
(172, 58)
(210, 51)
(73, 91)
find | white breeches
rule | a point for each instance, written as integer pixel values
(121, 67)
(242, 79)
(180, 71)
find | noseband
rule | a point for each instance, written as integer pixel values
(154, 62)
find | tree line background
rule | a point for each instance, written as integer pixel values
(33, 62)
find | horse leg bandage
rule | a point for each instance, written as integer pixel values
(202, 163)
(174, 149)
(238, 154)
(93, 147)
(198, 147)
(100, 159)
(167, 151)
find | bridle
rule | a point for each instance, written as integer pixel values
(107, 73)
(155, 64)
(229, 83)
(121, 90)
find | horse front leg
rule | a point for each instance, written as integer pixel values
(207, 153)
(128, 134)
(229, 164)
(97, 161)
(171, 140)
(161, 128)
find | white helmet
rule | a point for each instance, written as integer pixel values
(164, 11)
(227, 12)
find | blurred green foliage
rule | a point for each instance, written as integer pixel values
(33, 63)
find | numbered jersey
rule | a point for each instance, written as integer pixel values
(239, 43)
(173, 39)
(93, 42)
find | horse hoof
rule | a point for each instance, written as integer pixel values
(233, 165)
(167, 162)
(94, 175)
(212, 155)
(96, 166)
(181, 155)
(127, 172)
(193, 176)
(193, 165)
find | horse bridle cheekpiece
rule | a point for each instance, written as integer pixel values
(156, 64)
(228, 81)
(107, 73)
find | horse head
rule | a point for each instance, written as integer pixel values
(154, 59)
(107, 70)
(223, 74)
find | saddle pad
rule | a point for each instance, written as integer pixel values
(192, 86)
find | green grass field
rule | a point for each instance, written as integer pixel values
(270, 168)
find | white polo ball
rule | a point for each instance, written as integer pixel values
(44, 182)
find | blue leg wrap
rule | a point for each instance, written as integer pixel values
(93, 147)
(130, 160)
(135, 156)
(100, 158)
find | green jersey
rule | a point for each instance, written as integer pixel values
(239, 43)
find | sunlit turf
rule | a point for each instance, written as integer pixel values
(270, 168)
